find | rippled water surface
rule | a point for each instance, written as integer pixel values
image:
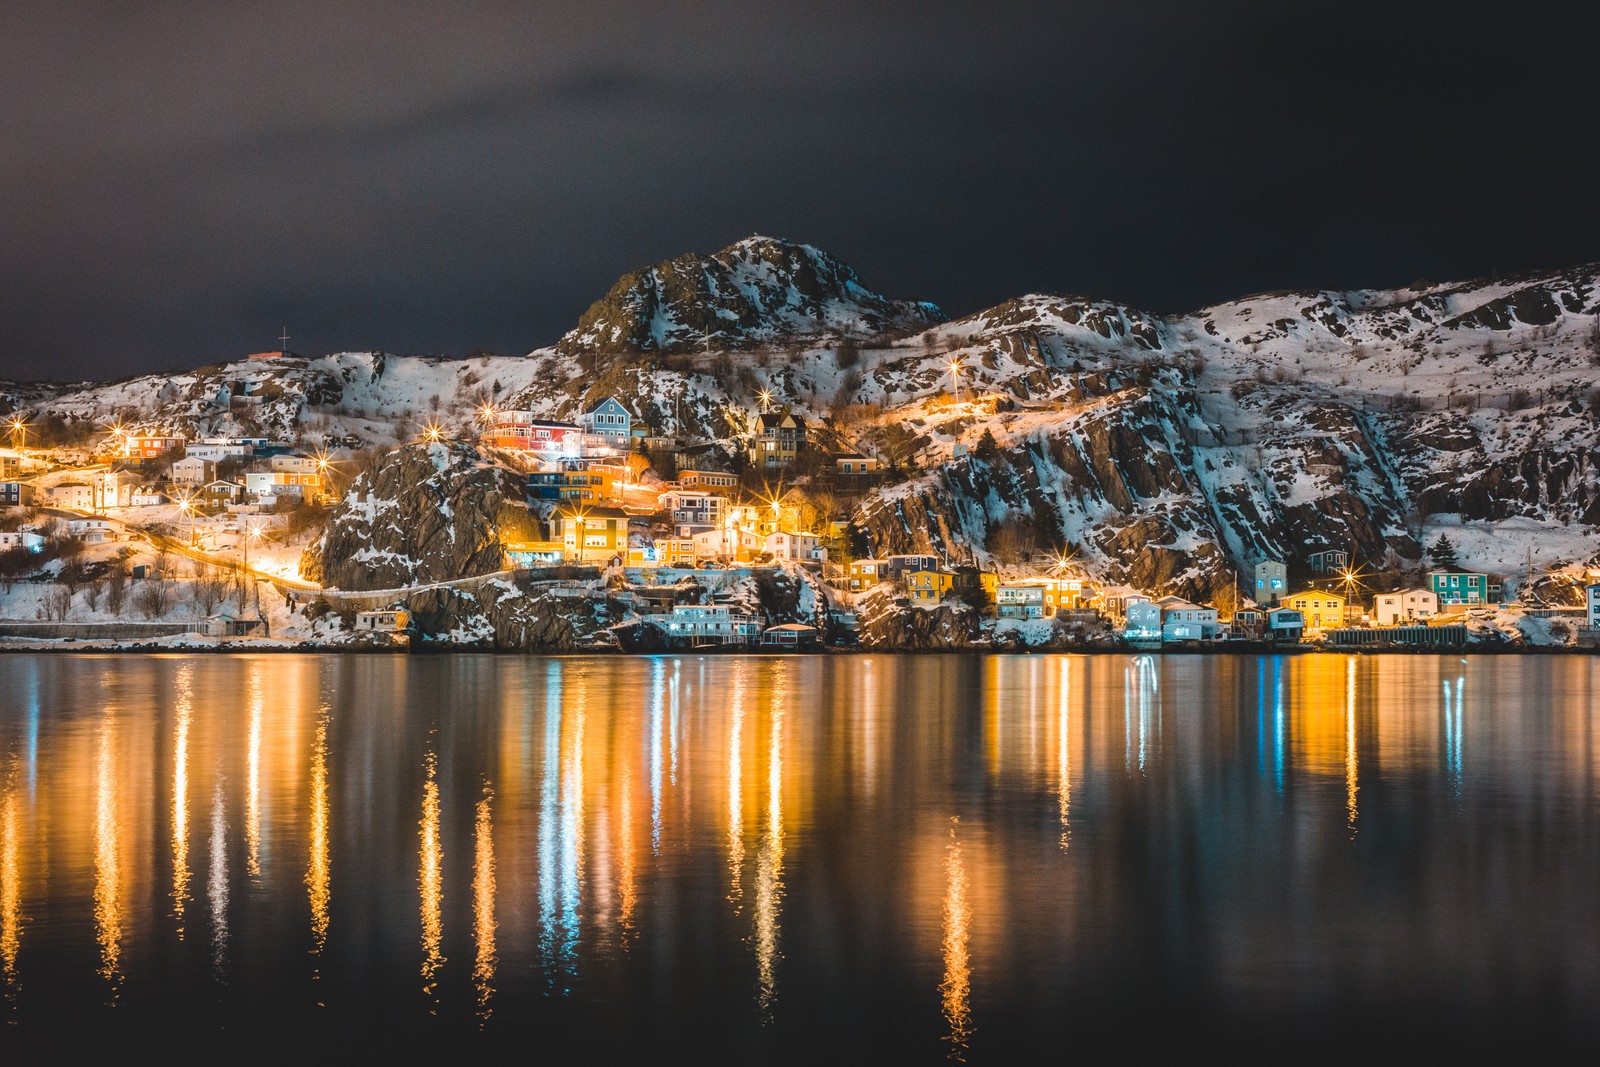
(893, 858)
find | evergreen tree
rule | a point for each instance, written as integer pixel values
(1443, 554)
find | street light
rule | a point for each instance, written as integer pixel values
(19, 433)
(955, 378)
(765, 396)
(434, 432)
(186, 505)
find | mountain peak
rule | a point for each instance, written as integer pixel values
(758, 290)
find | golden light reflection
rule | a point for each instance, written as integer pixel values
(1351, 784)
(483, 924)
(217, 883)
(180, 796)
(10, 884)
(627, 861)
(736, 795)
(317, 869)
(108, 902)
(769, 871)
(431, 879)
(252, 810)
(1064, 757)
(955, 991)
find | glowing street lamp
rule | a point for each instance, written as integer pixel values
(19, 433)
(433, 433)
(186, 505)
(955, 378)
(765, 396)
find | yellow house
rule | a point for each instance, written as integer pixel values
(1322, 610)
(590, 535)
(928, 587)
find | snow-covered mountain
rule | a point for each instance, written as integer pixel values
(1166, 451)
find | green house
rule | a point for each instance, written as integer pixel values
(1459, 587)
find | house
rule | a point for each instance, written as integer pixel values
(533, 553)
(147, 496)
(1184, 621)
(1021, 599)
(1408, 605)
(579, 485)
(1459, 587)
(1142, 620)
(1591, 595)
(694, 508)
(71, 496)
(91, 531)
(293, 463)
(1322, 610)
(215, 494)
(217, 449)
(675, 552)
(1248, 624)
(795, 547)
(14, 494)
(608, 426)
(779, 437)
(223, 624)
(1328, 561)
(735, 544)
(704, 479)
(903, 563)
(192, 470)
(113, 488)
(270, 485)
(976, 587)
(590, 534)
(1286, 625)
(1272, 582)
(854, 464)
(866, 573)
(27, 540)
(150, 446)
(707, 624)
(928, 587)
(388, 620)
(519, 431)
(789, 635)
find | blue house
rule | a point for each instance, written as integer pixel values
(607, 425)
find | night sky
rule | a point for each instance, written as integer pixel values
(181, 181)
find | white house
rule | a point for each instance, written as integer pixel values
(607, 425)
(708, 624)
(736, 543)
(388, 620)
(1286, 624)
(91, 531)
(1183, 621)
(273, 484)
(795, 546)
(1408, 605)
(1143, 620)
(1272, 582)
(146, 496)
(10, 540)
(193, 470)
(215, 449)
(694, 507)
(1020, 600)
(72, 496)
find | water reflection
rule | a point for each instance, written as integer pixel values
(716, 837)
(10, 880)
(108, 890)
(955, 990)
(483, 922)
(180, 795)
(318, 867)
(431, 878)
(769, 870)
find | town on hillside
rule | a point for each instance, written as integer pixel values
(673, 542)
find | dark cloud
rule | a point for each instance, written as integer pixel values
(184, 179)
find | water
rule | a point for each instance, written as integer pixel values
(881, 858)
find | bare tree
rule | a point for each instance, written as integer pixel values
(92, 591)
(57, 602)
(154, 598)
(117, 589)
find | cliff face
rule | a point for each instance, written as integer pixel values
(426, 513)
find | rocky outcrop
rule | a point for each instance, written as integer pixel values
(425, 513)
(886, 621)
(759, 290)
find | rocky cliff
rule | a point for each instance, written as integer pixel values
(425, 513)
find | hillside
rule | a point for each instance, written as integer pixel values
(1164, 451)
